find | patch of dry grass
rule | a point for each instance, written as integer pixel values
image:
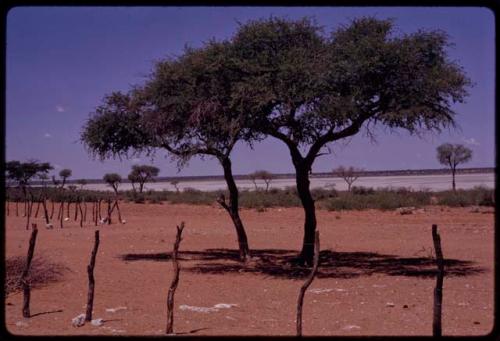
(42, 272)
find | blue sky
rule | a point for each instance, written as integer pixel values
(61, 61)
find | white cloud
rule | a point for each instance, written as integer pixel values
(47, 135)
(472, 141)
(60, 108)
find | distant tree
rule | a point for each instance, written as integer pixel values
(72, 188)
(262, 175)
(452, 155)
(175, 183)
(113, 180)
(349, 174)
(253, 177)
(82, 182)
(22, 172)
(141, 174)
(64, 174)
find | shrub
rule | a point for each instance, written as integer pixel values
(360, 190)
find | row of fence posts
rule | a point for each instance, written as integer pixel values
(96, 211)
(438, 290)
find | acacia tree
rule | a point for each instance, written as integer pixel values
(142, 174)
(22, 172)
(452, 155)
(349, 174)
(264, 176)
(308, 89)
(186, 108)
(64, 174)
(113, 180)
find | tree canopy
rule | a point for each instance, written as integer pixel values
(113, 180)
(452, 155)
(290, 80)
(142, 174)
(23, 172)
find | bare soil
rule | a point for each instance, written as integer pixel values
(376, 274)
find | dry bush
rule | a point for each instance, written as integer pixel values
(42, 272)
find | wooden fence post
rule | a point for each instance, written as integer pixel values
(90, 272)
(175, 281)
(62, 213)
(45, 212)
(438, 290)
(24, 278)
(306, 284)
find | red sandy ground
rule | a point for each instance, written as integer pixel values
(370, 259)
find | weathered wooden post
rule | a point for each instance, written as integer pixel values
(62, 213)
(24, 278)
(77, 205)
(99, 208)
(52, 208)
(109, 211)
(306, 284)
(438, 290)
(90, 272)
(45, 213)
(175, 281)
(81, 214)
(37, 208)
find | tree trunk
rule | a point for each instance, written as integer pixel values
(62, 213)
(438, 290)
(52, 209)
(67, 209)
(37, 208)
(233, 209)
(81, 214)
(175, 281)
(17, 208)
(141, 187)
(99, 208)
(453, 171)
(109, 211)
(77, 205)
(85, 211)
(24, 277)
(302, 179)
(307, 283)
(90, 272)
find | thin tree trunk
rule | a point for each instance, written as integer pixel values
(233, 209)
(24, 277)
(25, 207)
(453, 171)
(99, 209)
(60, 210)
(175, 282)
(307, 283)
(17, 208)
(302, 179)
(90, 272)
(67, 209)
(85, 211)
(96, 217)
(438, 290)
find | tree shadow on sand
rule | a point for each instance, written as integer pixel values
(281, 263)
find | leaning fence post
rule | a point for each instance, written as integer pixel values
(24, 278)
(438, 290)
(175, 281)
(90, 272)
(306, 284)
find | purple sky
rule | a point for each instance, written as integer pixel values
(62, 60)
